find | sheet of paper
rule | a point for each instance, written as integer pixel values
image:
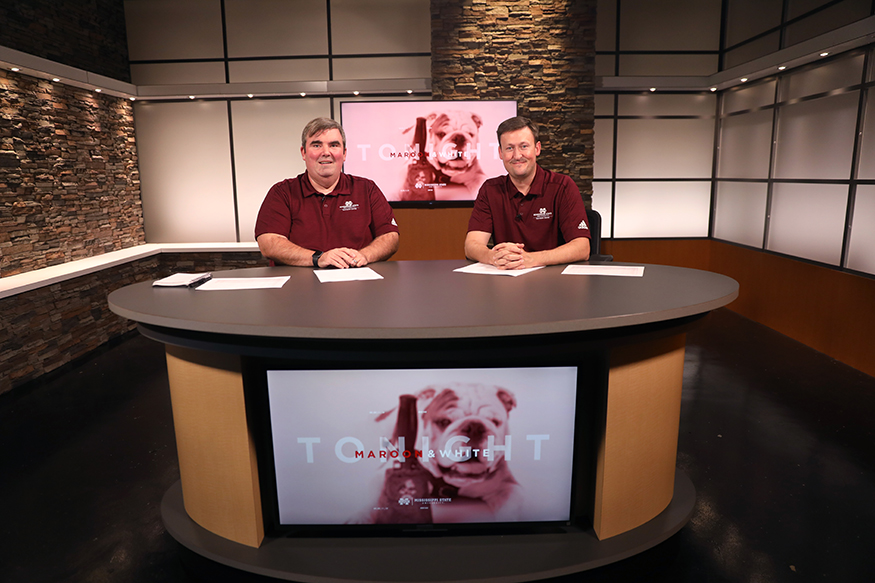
(351, 274)
(486, 269)
(232, 283)
(181, 280)
(619, 270)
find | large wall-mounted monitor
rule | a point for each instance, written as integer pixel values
(456, 446)
(425, 151)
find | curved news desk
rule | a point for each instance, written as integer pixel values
(423, 314)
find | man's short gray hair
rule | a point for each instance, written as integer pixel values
(319, 125)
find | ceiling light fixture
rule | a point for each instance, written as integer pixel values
(744, 79)
(713, 89)
(355, 92)
(55, 79)
(15, 69)
(249, 95)
(652, 89)
(303, 94)
(782, 67)
(823, 54)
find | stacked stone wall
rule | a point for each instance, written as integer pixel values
(69, 180)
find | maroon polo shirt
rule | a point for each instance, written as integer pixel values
(551, 214)
(353, 215)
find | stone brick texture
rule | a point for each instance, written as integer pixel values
(86, 34)
(538, 52)
(69, 180)
(45, 329)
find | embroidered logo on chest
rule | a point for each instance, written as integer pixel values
(543, 214)
(349, 206)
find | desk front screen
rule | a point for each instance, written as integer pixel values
(490, 445)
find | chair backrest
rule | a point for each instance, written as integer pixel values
(595, 236)
(595, 231)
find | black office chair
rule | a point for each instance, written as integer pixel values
(595, 232)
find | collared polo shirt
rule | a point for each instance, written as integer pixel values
(551, 214)
(352, 215)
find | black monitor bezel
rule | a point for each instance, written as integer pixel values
(590, 402)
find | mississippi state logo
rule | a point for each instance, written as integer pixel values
(542, 214)
(349, 206)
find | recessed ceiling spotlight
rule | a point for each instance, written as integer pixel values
(355, 92)
(249, 95)
(744, 79)
(132, 98)
(652, 89)
(782, 67)
(98, 90)
(303, 94)
(409, 91)
(713, 89)
(55, 79)
(191, 96)
(823, 54)
(15, 69)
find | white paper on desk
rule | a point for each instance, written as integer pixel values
(232, 283)
(181, 280)
(349, 274)
(620, 270)
(486, 269)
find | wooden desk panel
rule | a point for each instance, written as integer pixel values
(217, 462)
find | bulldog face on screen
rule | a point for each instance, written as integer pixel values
(453, 143)
(450, 144)
(459, 420)
(454, 137)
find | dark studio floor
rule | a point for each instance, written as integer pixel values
(776, 437)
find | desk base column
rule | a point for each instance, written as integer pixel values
(217, 462)
(637, 452)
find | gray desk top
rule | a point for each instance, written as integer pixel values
(426, 299)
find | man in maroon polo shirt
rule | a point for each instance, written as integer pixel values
(535, 216)
(323, 217)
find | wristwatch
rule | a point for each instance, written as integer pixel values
(316, 256)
